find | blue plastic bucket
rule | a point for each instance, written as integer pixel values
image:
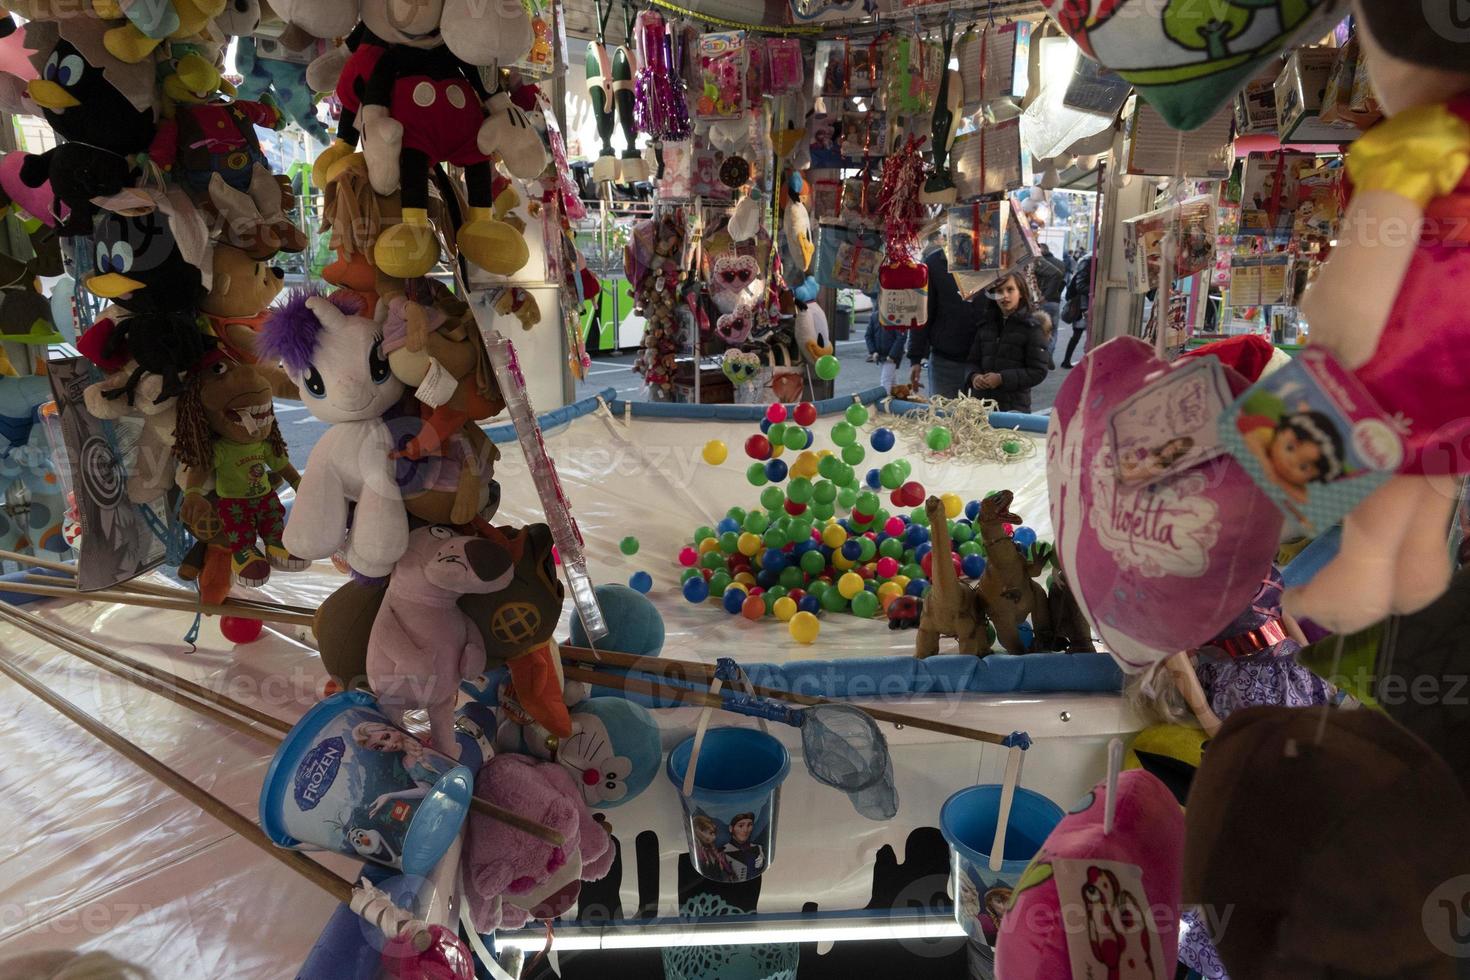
(346, 780)
(968, 820)
(730, 819)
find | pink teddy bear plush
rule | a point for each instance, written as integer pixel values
(511, 877)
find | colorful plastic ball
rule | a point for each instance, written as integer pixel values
(865, 605)
(688, 557)
(712, 560)
(777, 434)
(882, 440)
(891, 547)
(748, 544)
(765, 424)
(847, 497)
(889, 589)
(736, 514)
(828, 467)
(755, 475)
(912, 571)
(715, 452)
(972, 510)
(921, 550)
(805, 465)
(744, 579)
(893, 527)
(972, 548)
(962, 531)
(1024, 537)
(733, 599)
(800, 490)
(938, 439)
(793, 508)
(919, 517)
(784, 608)
(854, 454)
(887, 567)
(852, 550)
(776, 412)
(805, 626)
(953, 505)
(813, 563)
(794, 438)
(867, 502)
(846, 476)
(774, 559)
(873, 479)
(696, 590)
(824, 491)
(640, 582)
(772, 498)
(792, 577)
(687, 574)
(776, 471)
(809, 604)
(823, 512)
(1011, 447)
(833, 600)
(758, 447)
(726, 524)
(850, 584)
(719, 582)
(828, 367)
(729, 542)
(913, 493)
(629, 545)
(753, 608)
(804, 414)
(702, 532)
(891, 476)
(240, 629)
(775, 537)
(973, 566)
(917, 586)
(843, 434)
(766, 578)
(856, 414)
(833, 536)
(817, 587)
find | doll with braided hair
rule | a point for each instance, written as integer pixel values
(227, 429)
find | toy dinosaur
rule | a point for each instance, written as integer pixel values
(952, 607)
(1007, 587)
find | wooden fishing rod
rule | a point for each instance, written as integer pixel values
(269, 614)
(209, 703)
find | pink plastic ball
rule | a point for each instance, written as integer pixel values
(238, 629)
(776, 413)
(887, 567)
(893, 527)
(445, 959)
(688, 557)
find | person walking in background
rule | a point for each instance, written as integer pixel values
(874, 331)
(1051, 279)
(1078, 302)
(1008, 357)
(890, 345)
(948, 338)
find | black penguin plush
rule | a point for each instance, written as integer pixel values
(139, 266)
(78, 173)
(81, 104)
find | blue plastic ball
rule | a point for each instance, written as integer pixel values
(851, 550)
(973, 566)
(766, 425)
(921, 550)
(1024, 537)
(729, 524)
(810, 438)
(882, 440)
(733, 600)
(696, 589)
(811, 604)
(640, 582)
(917, 586)
(766, 578)
(775, 471)
(873, 480)
(972, 510)
(774, 560)
(917, 535)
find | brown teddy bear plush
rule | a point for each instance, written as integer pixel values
(240, 294)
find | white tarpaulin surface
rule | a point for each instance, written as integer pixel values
(101, 856)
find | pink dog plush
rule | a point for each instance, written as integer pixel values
(511, 877)
(422, 645)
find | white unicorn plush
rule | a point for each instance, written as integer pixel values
(334, 354)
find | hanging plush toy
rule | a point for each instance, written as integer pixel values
(150, 262)
(271, 69)
(736, 289)
(151, 22)
(1391, 310)
(335, 357)
(422, 645)
(227, 430)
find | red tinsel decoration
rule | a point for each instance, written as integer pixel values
(898, 199)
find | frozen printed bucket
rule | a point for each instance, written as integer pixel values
(968, 820)
(730, 818)
(347, 780)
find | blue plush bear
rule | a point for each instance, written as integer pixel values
(270, 68)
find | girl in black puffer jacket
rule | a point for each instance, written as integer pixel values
(1009, 358)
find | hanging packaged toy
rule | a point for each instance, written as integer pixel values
(784, 70)
(722, 67)
(911, 71)
(660, 108)
(903, 301)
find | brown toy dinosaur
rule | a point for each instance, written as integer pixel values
(1007, 588)
(952, 608)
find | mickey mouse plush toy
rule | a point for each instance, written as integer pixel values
(423, 105)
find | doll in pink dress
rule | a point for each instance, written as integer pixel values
(1393, 305)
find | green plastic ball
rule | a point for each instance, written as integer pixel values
(1011, 447)
(813, 563)
(719, 582)
(846, 497)
(824, 491)
(801, 529)
(729, 542)
(712, 559)
(702, 532)
(687, 574)
(756, 522)
(828, 367)
(629, 545)
(818, 587)
(832, 601)
(919, 516)
(847, 477)
(800, 490)
(755, 474)
(823, 511)
(867, 502)
(938, 438)
(907, 467)
(869, 549)
(891, 476)
(777, 591)
(736, 514)
(856, 414)
(912, 570)
(795, 438)
(960, 532)
(777, 434)
(843, 434)
(969, 548)
(891, 548)
(828, 467)
(854, 454)
(865, 604)
(791, 578)
(775, 538)
(772, 498)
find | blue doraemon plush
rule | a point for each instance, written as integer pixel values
(612, 755)
(634, 625)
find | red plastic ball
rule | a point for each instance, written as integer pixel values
(758, 447)
(708, 573)
(913, 493)
(238, 629)
(887, 567)
(897, 498)
(688, 557)
(793, 508)
(927, 564)
(757, 590)
(754, 607)
(776, 413)
(864, 571)
(893, 528)
(445, 959)
(795, 595)
(805, 414)
(858, 517)
(1009, 529)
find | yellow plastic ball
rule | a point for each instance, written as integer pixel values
(744, 579)
(902, 581)
(784, 608)
(953, 505)
(708, 545)
(805, 465)
(804, 627)
(716, 452)
(776, 451)
(823, 452)
(850, 585)
(833, 536)
(888, 589)
(841, 562)
(749, 543)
